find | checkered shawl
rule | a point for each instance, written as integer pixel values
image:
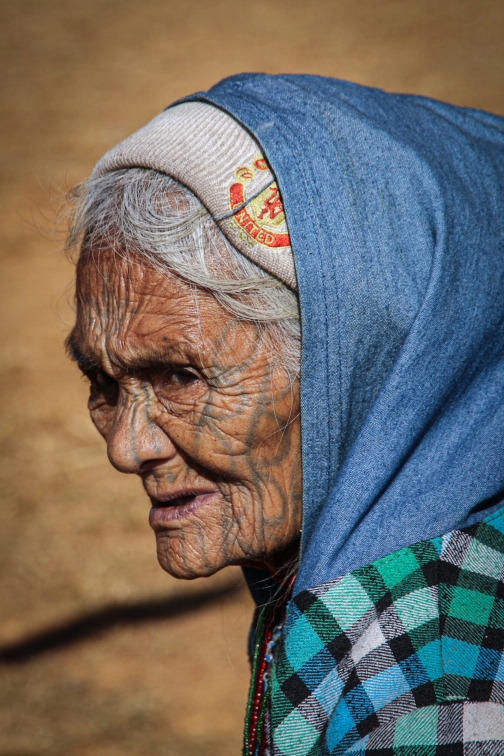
(403, 657)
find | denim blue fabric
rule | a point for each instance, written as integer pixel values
(395, 207)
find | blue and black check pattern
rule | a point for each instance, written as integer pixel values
(417, 631)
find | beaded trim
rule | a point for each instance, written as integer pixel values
(268, 631)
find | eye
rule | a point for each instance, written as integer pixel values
(100, 381)
(104, 390)
(179, 377)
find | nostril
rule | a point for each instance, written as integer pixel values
(151, 464)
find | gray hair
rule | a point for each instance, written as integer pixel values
(145, 212)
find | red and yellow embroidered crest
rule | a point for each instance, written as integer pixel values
(262, 218)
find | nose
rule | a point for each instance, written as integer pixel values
(135, 441)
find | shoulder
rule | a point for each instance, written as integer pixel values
(412, 643)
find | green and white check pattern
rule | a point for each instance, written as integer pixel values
(403, 657)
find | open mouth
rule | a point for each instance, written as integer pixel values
(166, 510)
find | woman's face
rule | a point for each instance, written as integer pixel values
(191, 401)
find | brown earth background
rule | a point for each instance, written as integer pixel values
(76, 78)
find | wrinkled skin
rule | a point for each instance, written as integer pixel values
(191, 401)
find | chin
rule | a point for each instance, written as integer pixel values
(177, 564)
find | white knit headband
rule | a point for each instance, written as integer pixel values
(210, 153)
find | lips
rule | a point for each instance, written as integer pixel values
(173, 507)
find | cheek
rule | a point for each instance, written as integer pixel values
(212, 429)
(244, 419)
(183, 406)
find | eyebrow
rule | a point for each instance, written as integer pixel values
(87, 361)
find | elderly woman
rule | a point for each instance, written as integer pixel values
(290, 308)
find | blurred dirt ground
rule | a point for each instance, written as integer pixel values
(77, 77)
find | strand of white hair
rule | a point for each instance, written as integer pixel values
(150, 214)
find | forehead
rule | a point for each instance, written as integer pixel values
(126, 307)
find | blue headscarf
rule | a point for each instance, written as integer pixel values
(395, 206)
